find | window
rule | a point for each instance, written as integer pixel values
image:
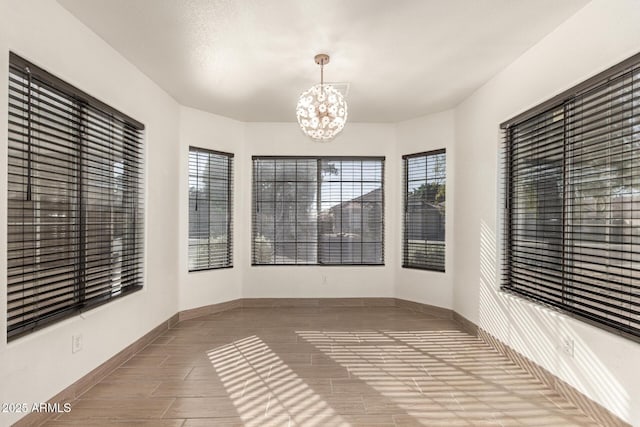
(210, 208)
(309, 210)
(75, 209)
(572, 205)
(424, 210)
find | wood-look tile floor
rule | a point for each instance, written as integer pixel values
(333, 366)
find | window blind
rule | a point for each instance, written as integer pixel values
(210, 209)
(424, 210)
(572, 211)
(75, 211)
(318, 211)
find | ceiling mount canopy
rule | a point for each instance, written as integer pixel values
(321, 110)
(321, 59)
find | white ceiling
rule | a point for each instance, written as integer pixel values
(250, 59)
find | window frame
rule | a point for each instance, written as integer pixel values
(405, 207)
(91, 175)
(318, 182)
(229, 157)
(566, 102)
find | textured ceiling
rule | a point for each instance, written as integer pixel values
(250, 59)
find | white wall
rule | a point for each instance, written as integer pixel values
(604, 366)
(36, 367)
(432, 132)
(243, 280)
(357, 139)
(205, 130)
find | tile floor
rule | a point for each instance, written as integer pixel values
(316, 366)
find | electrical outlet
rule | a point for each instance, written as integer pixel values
(76, 343)
(567, 346)
(324, 279)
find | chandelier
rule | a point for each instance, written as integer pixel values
(321, 110)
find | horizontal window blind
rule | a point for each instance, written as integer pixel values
(573, 203)
(75, 211)
(318, 211)
(285, 211)
(210, 209)
(424, 210)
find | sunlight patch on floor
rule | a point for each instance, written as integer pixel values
(264, 389)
